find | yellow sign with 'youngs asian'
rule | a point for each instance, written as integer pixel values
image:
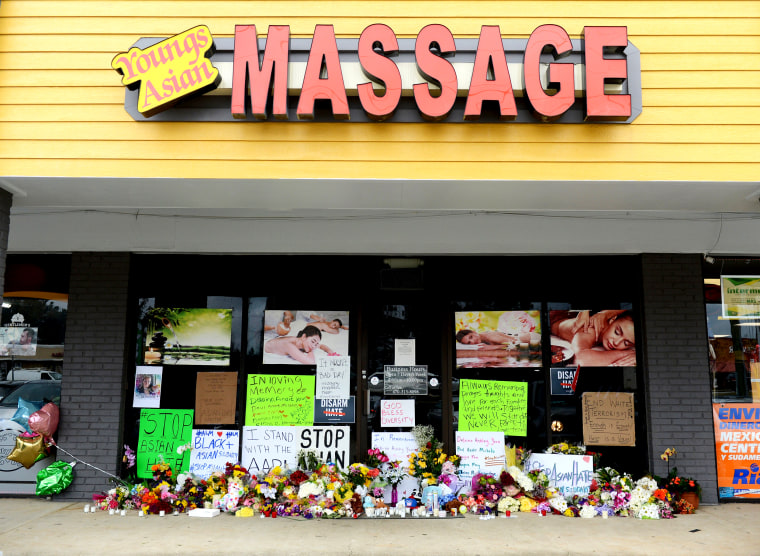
(170, 71)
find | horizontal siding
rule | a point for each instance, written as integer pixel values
(62, 113)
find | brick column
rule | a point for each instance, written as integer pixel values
(92, 395)
(6, 200)
(679, 397)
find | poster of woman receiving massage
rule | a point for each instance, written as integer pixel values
(495, 339)
(300, 337)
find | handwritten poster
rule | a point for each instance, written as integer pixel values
(397, 413)
(215, 398)
(212, 450)
(396, 445)
(481, 452)
(490, 405)
(279, 400)
(162, 431)
(570, 474)
(268, 447)
(333, 377)
(608, 419)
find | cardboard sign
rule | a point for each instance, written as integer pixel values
(162, 431)
(397, 413)
(268, 447)
(335, 410)
(570, 474)
(212, 450)
(215, 398)
(279, 400)
(333, 377)
(490, 405)
(481, 452)
(405, 381)
(608, 419)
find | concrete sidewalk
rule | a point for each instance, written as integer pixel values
(41, 527)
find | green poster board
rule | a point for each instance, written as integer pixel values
(491, 405)
(162, 431)
(279, 400)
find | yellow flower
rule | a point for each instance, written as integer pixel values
(422, 464)
(527, 504)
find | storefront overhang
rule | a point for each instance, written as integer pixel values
(381, 216)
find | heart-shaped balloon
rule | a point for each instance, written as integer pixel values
(45, 421)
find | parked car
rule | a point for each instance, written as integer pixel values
(40, 391)
(8, 386)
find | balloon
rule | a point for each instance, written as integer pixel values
(45, 421)
(25, 409)
(54, 478)
(27, 450)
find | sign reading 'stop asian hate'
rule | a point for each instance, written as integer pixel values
(378, 71)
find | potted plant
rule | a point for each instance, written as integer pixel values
(684, 488)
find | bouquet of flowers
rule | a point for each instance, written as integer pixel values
(392, 473)
(427, 463)
(375, 457)
(566, 448)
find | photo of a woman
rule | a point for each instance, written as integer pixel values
(301, 341)
(605, 339)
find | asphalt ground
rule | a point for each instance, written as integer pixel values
(43, 527)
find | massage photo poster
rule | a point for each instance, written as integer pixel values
(498, 339)
(302, 337)
(187, 336)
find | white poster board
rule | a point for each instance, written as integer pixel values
(570, 474)
(480, 452)
(268, 447)
(333, 377)
(398, 446)
(397, 413)
(212, 450)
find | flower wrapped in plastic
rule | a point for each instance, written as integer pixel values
(527, 504)
(508, 504)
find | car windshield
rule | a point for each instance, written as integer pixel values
(47, 391)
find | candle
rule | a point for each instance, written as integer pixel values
(111, 511)
(508, 513)
(605, 515)
(92, 509)
(162, 513)
(543, 513)
(86, 508)
(123, 513)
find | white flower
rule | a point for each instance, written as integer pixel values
(649, 511)
(558, 503)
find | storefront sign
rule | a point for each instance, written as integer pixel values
(405, 381)
(608, 419)
(737, 448)
(740, 297)
(268, 447)
(172, 70)
(433, 77)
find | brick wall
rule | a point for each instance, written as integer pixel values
(93, 384)
(678, 379)
(6, 200)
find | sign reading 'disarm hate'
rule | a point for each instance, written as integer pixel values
(570, 474)
(492, 405)
(212, 450)
(162, 431)
(268, 447)
(279, 400)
